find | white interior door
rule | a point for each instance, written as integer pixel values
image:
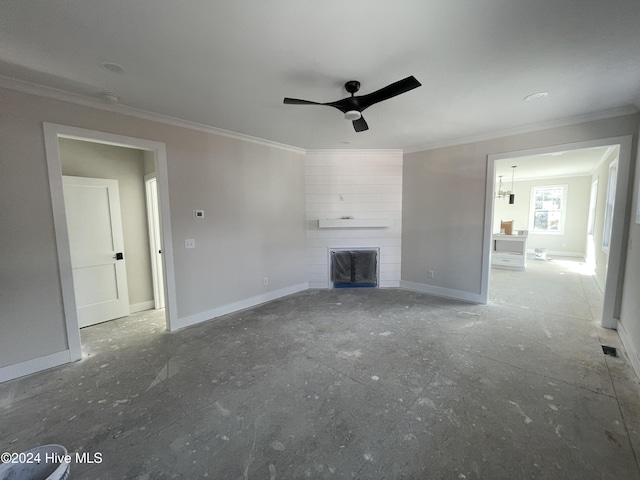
(92, 207)
(155, 239)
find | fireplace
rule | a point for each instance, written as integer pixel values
(351, 268)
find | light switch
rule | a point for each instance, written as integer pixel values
(190, 243)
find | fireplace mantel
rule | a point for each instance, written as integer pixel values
(355, 223)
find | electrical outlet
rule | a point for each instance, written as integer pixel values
(189, 243)
(265, 281)
(430, 273)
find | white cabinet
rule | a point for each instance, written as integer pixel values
(509, 251)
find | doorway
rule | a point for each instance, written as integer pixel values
(157, 153)
(619, 147)
(107, 208)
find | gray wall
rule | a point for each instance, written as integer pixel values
(85, 159)
(255, 225)
(444, 197)
(574, 239)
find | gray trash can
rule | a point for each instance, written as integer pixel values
(47, 462)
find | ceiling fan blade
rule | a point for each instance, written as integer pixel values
(390, 91)
(296, 101)
(360, 125)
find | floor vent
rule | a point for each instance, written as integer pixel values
(611, 351)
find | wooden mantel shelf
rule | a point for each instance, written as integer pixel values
(355, 223)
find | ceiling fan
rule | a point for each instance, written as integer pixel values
(353, 106)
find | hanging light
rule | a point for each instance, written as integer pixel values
(512, 196)
(501, 193)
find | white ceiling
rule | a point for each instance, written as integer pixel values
(228, 64)
(551, 165)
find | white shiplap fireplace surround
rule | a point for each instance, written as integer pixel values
(366, 186)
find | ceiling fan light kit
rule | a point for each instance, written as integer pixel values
(353, 106)
(352, 115)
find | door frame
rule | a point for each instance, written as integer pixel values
(52, 132)
(615, 270)
(155, 243)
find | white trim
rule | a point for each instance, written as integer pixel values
(563, 122)
(605, 156)
(355, 223)
(487, 240)
(57, 94)
(551, 177)
(51, 134)
(155, 244)
(141, 306)
(599, 283)
(612, 290)
(443, 292)
(632, 353)
(239, 305)
(363, 152)
(35, 365)
(54, 168)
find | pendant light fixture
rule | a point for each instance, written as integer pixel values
(512, 196)
(501, 193)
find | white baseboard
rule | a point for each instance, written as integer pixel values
(32, 366)
(240, 305)
(142, 306)
(632, 351)
(442, 292)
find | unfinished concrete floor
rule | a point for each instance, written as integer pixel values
(366, 384)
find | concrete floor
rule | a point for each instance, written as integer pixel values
(364, 383)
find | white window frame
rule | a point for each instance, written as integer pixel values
(563, 209)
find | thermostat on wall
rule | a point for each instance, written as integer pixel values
(198, 214)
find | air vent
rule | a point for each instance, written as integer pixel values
(611, 351)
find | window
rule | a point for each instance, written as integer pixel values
(548, 207)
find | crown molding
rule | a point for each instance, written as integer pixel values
(550, 177)
(589, 117)
(605, 156)
(65, 96)
(355, 152)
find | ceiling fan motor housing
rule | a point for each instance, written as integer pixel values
(352, 86)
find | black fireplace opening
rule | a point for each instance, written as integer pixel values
(354, 268)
